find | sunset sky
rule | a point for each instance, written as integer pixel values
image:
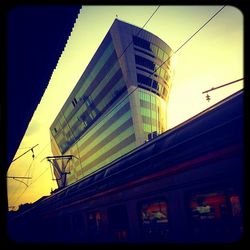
(211, 58)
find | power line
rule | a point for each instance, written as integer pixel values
(136, 87)
(20, 195)
(183, 44)
(30, 185)
(15, 191)
(23, 148)
(138, 33)
(44, 147)
(16, 178)
(28, 171)
(40, 175)
(19, 177)
(206, 91)
(212, 89)
(26, 152)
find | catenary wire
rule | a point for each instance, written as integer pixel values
(29, 169)
(183, 44)
(178, 49)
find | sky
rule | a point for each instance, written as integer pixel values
(213, 57)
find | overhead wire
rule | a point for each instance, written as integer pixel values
(184, 43)
(28, 170)
(23, 148)
(160, 66)
(13, 193)
(20, 195)
(40, 175)
(180, 47)
(30, 185)
(39, 154)
(138, 32)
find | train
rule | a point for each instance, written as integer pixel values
(184, 186)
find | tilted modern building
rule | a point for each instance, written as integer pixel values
(118, 103)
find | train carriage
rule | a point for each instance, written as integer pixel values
(186, 185)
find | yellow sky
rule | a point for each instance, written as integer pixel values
(213, 57)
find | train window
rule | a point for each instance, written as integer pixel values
(63, 228)
(77, 227)
(154, 219)
(95, 223)
(216, 216)
(118, 223)
(235, 204)
(208, 206)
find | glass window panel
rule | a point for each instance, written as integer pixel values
(87, 118)
(145, 70)
(141, 42)
(158, 71)
(162, 73)
(103, 125)
(144, 62)
(144, 79)
(153, 216)
(101, 137)
(165, 56)
(160, 53)
(144, 52)
(154, 49)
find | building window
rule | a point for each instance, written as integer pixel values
(144, 52)
(147, 81)
(74, 102)
(157, 52)
(145, 70)
(144, 79)
(144, 62)
(141, 42)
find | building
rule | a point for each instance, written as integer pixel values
(118, 103)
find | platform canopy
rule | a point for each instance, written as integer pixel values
(36, 36)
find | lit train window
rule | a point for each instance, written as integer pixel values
(235, 204)
(154, 219)
(95, 222)
(155, 212)
(216, 216)
(208, 206)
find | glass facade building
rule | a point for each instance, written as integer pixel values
(118, 103)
